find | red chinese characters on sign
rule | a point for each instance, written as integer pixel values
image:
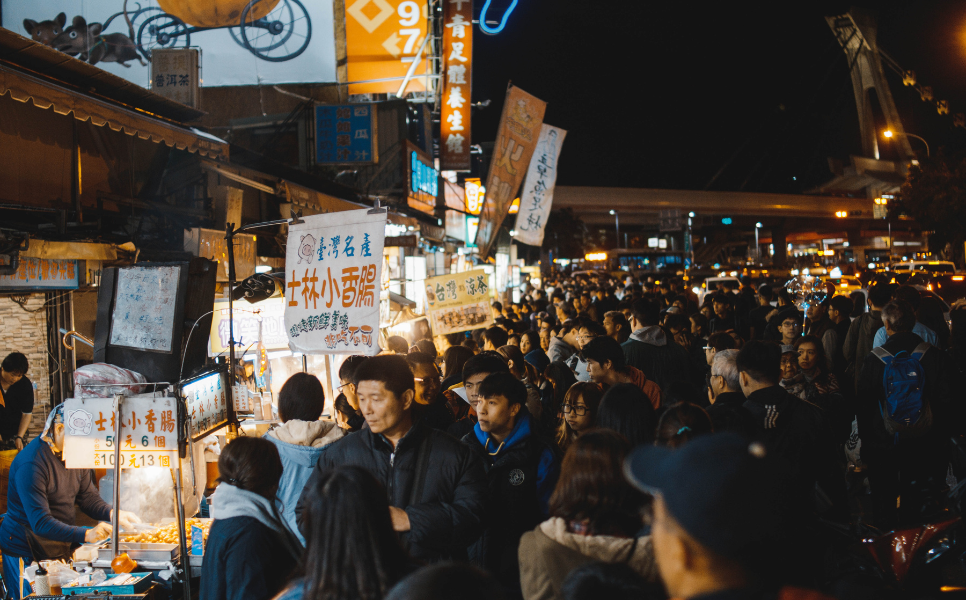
(357, 287)
(457, 85)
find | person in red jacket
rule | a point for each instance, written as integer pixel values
(605, 365)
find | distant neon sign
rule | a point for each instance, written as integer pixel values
(506, 15)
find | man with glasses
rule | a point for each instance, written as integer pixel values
(790, 326)
(587, 330)
(429, 406)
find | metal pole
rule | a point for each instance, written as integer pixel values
(757, 247)
(116, 492)
(230, 246)
(617, 225)
(412, 67)
(182, 537)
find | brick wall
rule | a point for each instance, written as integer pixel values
(26, 332)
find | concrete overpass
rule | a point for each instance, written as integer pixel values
(641, 206)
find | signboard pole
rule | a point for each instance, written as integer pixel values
(116, 497)
(182, 535)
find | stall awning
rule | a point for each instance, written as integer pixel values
(45, 94)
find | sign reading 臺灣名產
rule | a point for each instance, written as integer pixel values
(333, 272)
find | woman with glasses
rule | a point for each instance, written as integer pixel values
(579, 411)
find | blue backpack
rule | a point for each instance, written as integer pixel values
(904, 409)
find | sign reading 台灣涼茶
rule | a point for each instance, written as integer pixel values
(458, 302)
(333, 272)
(538, 187)
(149, 433)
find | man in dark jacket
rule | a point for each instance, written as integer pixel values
(791, 428)
(650, 351)
(859, 340)
(429, 405)
(727, 411)
(436, 485)
(726, 318)
(521, 470)
(909, 464)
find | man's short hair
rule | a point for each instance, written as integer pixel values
(910, 295)
(390, 369)
(497, 305)
(722, 341)
(762, 361)
(725, 364)
(719, 298)
(420, 358)
(593, 327)
(765, 291)
(603, 349)
(15, 363)
(506, 385)
(900, 316)
(842, 304)
(881, 293)
(618, 318)
(646, 312)
(495, 336)
(347, 371)
(568, 311)
(397, 344)
(301, 398)
(485, 362)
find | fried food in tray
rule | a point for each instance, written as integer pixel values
(167, 533)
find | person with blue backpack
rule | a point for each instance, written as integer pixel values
(906, 411)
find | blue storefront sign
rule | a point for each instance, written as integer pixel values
(41, 274)
(345, 134)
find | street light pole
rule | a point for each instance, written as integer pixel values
(757, 245)
(617, 226)
(889, 133)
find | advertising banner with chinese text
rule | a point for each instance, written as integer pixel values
(333, 272)
(149, 436)
(382, 39)
(454, 122)
(264, 321)
(458, 302)
(42, 273)
(515, 142)
(346, 134)
(538, 187)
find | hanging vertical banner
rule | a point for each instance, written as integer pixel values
(333, 272)
(538, 187)
(454, 122)
(516, 139)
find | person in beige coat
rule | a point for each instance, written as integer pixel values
(594, 518)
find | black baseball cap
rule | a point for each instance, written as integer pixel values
(722, 489)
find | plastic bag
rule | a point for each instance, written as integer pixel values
(90, 380)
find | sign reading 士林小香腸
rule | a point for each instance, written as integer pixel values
(333, 273)
(149, 433)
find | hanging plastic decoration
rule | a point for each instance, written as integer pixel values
(506, 15)
(806, 291)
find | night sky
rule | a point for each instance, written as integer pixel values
(661, 95)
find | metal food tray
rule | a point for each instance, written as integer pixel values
(138, 551)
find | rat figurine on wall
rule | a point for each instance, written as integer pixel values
(45, 31)
(87, 41)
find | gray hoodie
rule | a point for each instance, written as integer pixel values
(559, 349)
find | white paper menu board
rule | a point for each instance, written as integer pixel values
(144, 308)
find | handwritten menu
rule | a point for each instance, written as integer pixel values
(207, 402)
(149, 433)
(144, 308)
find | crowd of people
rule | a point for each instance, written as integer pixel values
(604, 438)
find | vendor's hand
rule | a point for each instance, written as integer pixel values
(99, 532)
(400, 520)
(18, 443)
(126, 519)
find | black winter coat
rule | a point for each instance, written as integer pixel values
(447, 515)
(513, 500)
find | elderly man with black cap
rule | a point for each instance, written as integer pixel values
(721, 517)
(41, 493)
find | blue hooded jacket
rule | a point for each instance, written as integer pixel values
(299, 443)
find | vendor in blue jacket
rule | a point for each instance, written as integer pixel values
(41, 494)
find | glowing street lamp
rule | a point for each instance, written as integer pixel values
(888, 133)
